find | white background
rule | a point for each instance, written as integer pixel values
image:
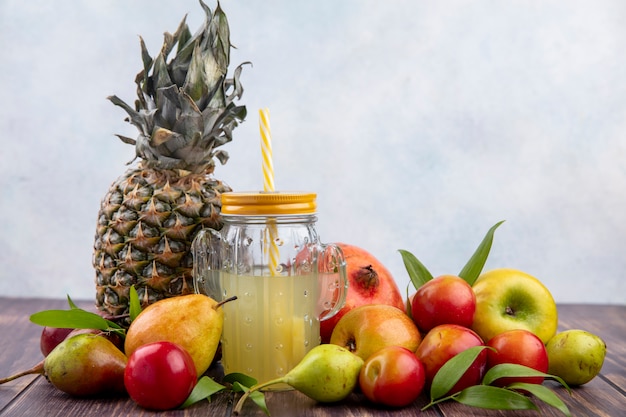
(419, 124)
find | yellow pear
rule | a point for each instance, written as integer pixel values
(192, 321)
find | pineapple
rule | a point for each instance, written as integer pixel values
(150, 215)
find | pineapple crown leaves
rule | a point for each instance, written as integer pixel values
(185, 108)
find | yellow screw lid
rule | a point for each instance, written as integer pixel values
(260, 203)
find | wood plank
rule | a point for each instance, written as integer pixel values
(289, 404)
(19, 344)
(596, 399)
(54, 403)
(604, 396)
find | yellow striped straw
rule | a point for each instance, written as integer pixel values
(274, 254)
(266, 150)
(268, 186)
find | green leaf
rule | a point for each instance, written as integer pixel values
(257, 396)
(71, 303)
(134, 305)
(203, 390)
(239, 387)
(451, 371)
(474, 266)
(116, 327)
(73, 319)
(418, 273)
(243, 379)
(242, 383)
(509, 370)
(494, 398)
(409, 309)
(516, 370)
(259, 399)
(544, 393)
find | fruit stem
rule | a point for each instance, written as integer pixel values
(37, 369)
(117, 317)
(254, 388)
(221, 303)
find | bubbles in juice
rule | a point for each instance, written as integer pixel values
(271, 325)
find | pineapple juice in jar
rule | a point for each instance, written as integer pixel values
(270, 325)
(268, 255)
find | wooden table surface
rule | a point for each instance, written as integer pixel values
(34, 396)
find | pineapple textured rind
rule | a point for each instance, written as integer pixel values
(145, 227)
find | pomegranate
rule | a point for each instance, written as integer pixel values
(369, 282)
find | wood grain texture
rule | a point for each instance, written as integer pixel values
(605, 396)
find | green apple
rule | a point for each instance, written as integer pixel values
(576, 356)
(508, 299)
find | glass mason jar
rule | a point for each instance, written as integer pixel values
(269, 256)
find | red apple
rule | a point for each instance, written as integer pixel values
(369, 282)
(521, 347)
(445, 341)
(392, 376)
(447, 299)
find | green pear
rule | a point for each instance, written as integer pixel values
(576, 356)
(192, 321)
(86, 365)
(327, 373)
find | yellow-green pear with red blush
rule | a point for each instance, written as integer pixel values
(192, 321)
(85, 365)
